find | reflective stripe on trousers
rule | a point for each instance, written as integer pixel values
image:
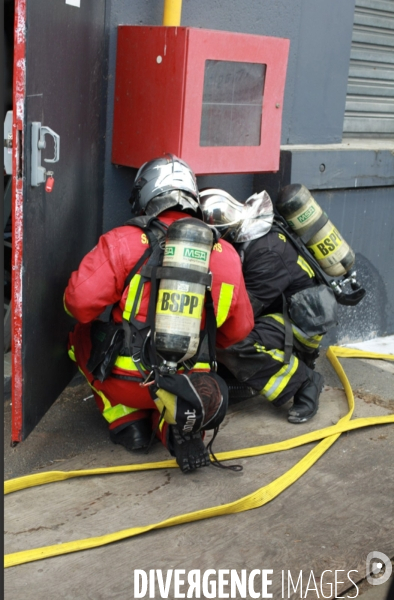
(277, 383)
(110, 413)
(310, 342)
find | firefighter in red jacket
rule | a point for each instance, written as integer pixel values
(167, 187)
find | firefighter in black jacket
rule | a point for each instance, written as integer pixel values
(273, 273)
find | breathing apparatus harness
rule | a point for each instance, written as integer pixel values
(191, 409)
(346, 299)
(299, 243)
(329, 287)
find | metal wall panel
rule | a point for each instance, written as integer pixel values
(370, 94)
(61, 86)
(365, 218)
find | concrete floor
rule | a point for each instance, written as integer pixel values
(337, 513)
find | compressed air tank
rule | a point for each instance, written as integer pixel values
(180, 302)
(307, 219)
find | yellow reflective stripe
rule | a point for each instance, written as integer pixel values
(278, 355)
(65, 306)
(279, 381)
(276, 317)
(131, 297)
(311, 342)
(200, 365)
(71, 354)
(126, 363)
(301, 262)
(224, 304)
(116, 412)
(112, 413)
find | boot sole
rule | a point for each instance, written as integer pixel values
(298, 420)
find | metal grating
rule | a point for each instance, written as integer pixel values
(369, 111)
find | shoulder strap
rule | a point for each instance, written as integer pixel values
(280, 226)
(155, 232)
(210, 327)
(288, 345)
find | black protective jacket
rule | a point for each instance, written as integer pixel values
(272, 267)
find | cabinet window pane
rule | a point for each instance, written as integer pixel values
(232, 103)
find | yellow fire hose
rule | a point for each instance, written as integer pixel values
(327, 435)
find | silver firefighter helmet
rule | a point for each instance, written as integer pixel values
(237, 222)
(163, 183)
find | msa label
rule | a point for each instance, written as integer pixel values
(195, 253)
(327, 246)
(305, 215)
(184, 304)
(169, 251)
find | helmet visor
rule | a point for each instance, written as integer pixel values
(239, 222)
(220, 209)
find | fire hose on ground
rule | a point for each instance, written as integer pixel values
(256, 499)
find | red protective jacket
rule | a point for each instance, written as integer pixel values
(99, 282)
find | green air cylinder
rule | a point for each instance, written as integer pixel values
(180, 302)
(307, 219)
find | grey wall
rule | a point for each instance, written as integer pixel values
(365, 218)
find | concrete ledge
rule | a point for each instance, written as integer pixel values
(352, 164)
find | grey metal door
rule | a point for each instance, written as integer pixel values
(59, 68)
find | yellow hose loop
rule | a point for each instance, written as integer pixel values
(249, 502)
(353, 353)
(28, 481)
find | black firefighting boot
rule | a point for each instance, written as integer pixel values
(188, 448)
(306, 399)
(133, 436)
(309, 358)
(238, 391)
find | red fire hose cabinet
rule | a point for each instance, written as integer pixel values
(213, 98)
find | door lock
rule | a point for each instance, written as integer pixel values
(38, 143)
